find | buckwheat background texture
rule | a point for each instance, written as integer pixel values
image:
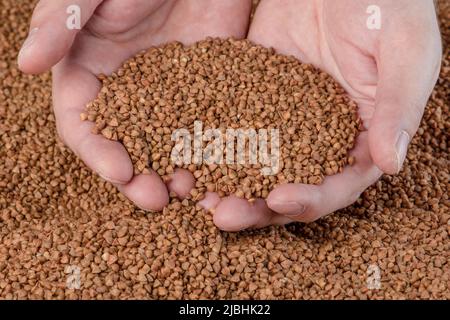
(57, 216)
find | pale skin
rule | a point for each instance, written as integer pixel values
(389, 72)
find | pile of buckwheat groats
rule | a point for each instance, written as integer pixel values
(56, 216)
(228, 84)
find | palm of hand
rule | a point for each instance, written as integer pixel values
(374, 66)
(299, 28)
(117, 31)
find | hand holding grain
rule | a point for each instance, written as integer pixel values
(111, 32)
(389, 72)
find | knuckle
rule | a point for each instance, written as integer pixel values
(312, 210)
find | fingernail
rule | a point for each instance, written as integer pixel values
(28, 41)
(289, 208)
(401, 149)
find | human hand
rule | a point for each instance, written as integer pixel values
(112, 31)
(389, 72)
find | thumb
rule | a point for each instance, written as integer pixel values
(407, 71)
(51, 35)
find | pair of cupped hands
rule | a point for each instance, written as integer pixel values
(389, 71)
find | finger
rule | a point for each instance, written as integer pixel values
(408, 71)
(236, 214)
(50, 38)
(210, 201)
(181, 182)
(73, 88)
(306, 203)
(147, 191)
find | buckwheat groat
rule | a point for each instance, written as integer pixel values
(58, 217)
(309, 122)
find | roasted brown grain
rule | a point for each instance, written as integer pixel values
(56, 213)
(228, 84)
